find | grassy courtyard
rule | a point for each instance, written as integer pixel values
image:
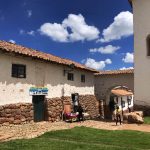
(82, 138)
(147, 120)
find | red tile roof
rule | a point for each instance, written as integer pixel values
(21, 50)
(115, 72)
(121, 92)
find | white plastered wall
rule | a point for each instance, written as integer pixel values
(38, 73)
(124, 98)
(141, 10)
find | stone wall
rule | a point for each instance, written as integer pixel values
(54, 109)
(16, 113)
(145, 109)
(90, 104)
(23, 112)
(54, 106)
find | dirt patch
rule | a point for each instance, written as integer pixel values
(36, 129)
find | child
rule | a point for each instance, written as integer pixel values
(118, 115)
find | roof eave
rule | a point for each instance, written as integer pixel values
(51, 61)
(130, 1)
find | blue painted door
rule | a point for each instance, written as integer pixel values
(39, 107)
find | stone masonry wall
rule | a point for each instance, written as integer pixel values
(54, 106)
(54, 109)
(16, 113)
(90, 104)
(23, 112)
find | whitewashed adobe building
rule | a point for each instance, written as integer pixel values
(141, 13)
(35, 85)
(123, 97)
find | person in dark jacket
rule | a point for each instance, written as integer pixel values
(80, 115)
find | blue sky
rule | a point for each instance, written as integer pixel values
(97, 33)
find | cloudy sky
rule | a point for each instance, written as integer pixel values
(97, 33)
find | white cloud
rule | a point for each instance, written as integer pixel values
(108, 61)
(73, 28)
(12, 41)
(55, 31)
(98, 65)
(21, 31)
(31, 33)
(80, 30)
(121, 27)
(129, 58)
(109, 49)
(29, 13)
(125, 68)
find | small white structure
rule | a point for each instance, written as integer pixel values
(123, 98)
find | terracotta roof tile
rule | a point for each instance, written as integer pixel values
(121, 92)
(18, 49)
(115, 72)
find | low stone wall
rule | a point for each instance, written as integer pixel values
(23, 112)
(145, 109)
(54, 109)
(55, 106)
(90, 104)
(16, 113)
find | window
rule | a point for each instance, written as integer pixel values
(82, 78)
(129, 99)
(71, 76)
(122, 103)
(148, 45)
(18, 71)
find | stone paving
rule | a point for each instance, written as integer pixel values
(36, 129)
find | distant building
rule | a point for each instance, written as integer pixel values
(123, 98)
(141, 13)
(35, 86)
(106, 82)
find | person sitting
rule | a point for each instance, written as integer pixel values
(80, 111)
(118, 115)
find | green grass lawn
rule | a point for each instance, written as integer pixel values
(82, 138)
(147, 120)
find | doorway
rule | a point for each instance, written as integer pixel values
(39, 107)
(75, 101)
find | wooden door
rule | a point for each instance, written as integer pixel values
(39, 108)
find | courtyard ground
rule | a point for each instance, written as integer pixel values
(36, 129)
(83, 138)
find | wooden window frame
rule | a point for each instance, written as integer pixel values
(82, 78)
(70, 76)
(17, 69)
